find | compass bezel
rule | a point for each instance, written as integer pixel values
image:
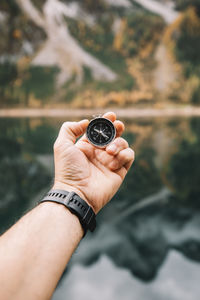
(104, 120)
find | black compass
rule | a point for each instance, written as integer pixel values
(100, 132)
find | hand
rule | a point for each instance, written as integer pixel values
(94, 174)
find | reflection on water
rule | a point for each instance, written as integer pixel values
(178, 279)
(156, 210)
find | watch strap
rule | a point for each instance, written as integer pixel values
(76, 205)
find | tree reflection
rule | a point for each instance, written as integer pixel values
(22, 177)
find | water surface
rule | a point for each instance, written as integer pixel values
(147, 243)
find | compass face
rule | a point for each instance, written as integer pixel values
(100, 132)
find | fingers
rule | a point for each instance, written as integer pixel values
(110, 116)
(118, 124)
(116, 146)
(70, 131)
(119, 127)
(124, 159)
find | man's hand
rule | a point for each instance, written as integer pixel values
(94, 174)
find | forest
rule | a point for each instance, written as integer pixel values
(107, 56)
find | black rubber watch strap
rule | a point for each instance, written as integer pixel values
(76, 205)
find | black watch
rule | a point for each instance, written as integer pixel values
(76, 205)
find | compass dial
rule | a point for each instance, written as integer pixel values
(100, 132)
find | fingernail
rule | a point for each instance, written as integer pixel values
(112, 148)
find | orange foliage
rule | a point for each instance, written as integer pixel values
(17, 34)
(191, 22)
(118, 40)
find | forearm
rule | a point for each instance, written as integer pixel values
(35, 251)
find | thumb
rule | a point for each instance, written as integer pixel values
(70, 131)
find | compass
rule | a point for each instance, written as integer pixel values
(100, 132)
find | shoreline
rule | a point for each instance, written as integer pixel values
(128, 113)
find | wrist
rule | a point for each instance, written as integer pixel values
(57, 211)
(74, 203)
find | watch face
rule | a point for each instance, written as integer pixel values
(100, 132)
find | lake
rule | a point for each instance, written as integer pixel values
(147, 242)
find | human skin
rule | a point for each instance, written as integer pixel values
(35, 251)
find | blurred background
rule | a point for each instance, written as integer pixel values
(140, 58)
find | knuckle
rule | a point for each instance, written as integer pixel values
(131, 153)
(126, 143)
(118, 140)
(121, 142)
(127, 154)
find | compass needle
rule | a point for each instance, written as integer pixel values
(96, 130)
(104, 135)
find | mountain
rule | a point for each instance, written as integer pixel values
(92, 54)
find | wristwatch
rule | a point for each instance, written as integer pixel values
(76, 205)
